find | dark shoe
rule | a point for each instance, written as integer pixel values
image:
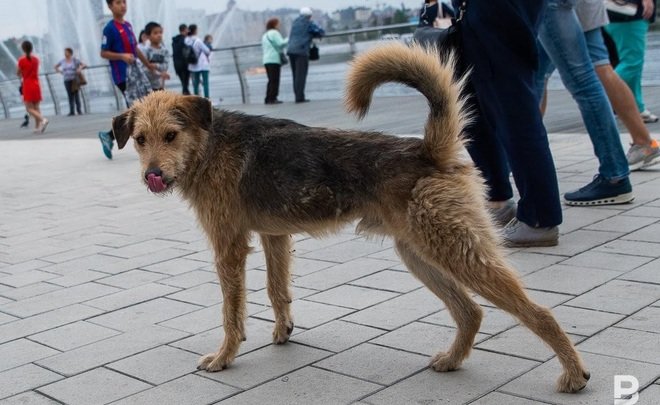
(70, 114)
(519, 234)
(302, 101)
(601, 192)
(107, 143)
(26, 121)
(504, 214)
(273, 102)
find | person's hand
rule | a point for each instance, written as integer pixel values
(165, 76)
(152, 67)
(647, 6)
(128, 58)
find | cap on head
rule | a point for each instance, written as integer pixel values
(306, 11)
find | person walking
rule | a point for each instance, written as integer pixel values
(565, 46)
(180, 64)
(629, 35)
(199, 71)
(303, 30)
(71, 68)
(28, 71)
(272, 45)
(120, 47)
(507, 133)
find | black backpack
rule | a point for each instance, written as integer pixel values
(188, 53)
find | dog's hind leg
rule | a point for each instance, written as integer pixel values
(451, 230)
(278, 261)
(230, 265)
(466, 312)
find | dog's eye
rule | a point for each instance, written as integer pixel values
(170, 137)
(140, 140)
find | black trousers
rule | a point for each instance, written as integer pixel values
(508, 135)
(184, 76)
(74, 97)
(299, 66)
(273, 71)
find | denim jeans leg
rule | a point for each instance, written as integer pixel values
(562, 38)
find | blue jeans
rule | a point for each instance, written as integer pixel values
(561, 37)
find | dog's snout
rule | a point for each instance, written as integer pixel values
(153, 170)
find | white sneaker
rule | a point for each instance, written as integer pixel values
(648, 117)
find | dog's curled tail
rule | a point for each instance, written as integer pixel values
(428, 73)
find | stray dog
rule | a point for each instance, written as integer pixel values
(244, 174)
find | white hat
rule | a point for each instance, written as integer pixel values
(305, 11)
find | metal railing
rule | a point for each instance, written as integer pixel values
(101, 95)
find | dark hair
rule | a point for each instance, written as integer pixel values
(192, 29)
(150, 27)
(68, 50)
(272, 23)
(140, 36)
(183, 27)
(27, 48)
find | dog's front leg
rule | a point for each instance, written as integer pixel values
(277, 249)
(230, 265)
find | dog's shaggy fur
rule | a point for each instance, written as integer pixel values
(244, 174)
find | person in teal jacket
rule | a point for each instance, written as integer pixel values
(273, 44)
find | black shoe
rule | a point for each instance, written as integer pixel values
(70, 114)
(302, 101)
(273, 102)
(601, 192)
(26, 121)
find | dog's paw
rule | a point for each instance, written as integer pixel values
(282, 332)
(573, 382)
(213, 362)
(444, 362)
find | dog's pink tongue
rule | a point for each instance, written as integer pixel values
(156, 184)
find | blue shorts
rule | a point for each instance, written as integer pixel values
(596, 46)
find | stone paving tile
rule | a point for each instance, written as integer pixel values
(618, 296)
(144, 260)
(99, 353)
(204, 295)
(159, 365)
(301, 266)
(399, 311)
(646, 274)
(568, 279)
(56, 299)
(626, 343)
(29, 291)
(22, 351)
(131, 296)
(497, 398)
(175, 266)
(580, 321)
(308, 314)
(606, 261)
(142, 248)
(77, 277)
(520, 341)
(261, 296)
(629, 247)
(649, 233)
(648, 319)
(525, 262)
(99, 386)
(29, 398)
(578, 242)
(336, 336)
(73, 335)
(204, 319)
(190, 279)
(38, 323)
(18, 268)
(377, 364)
(4, 318)
(131, 279)
(352, 296)
(539, 384)
(494, 321)
(621, 223)
(342, 273)
(190, 389)
(480, 374)
(423, 338)
(143, 314)
(25, 278)
(306, 386)
(266, 363)
(389, 280)
(24, 378)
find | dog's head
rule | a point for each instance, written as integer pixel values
(169, 131)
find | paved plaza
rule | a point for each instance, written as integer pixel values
(108, 293)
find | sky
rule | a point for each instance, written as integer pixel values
(28, 17)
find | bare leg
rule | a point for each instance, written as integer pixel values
(624, 104)
(278, 262)
(230, 265)
(466, 313)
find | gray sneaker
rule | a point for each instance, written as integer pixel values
(641, 156)
(504, 215)
(519, 234)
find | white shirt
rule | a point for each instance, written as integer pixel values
(202, 52)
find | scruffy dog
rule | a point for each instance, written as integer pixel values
(244, 174)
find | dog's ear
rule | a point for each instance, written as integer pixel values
(122, 127)
(197, 111)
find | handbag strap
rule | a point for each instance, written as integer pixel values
(271, 43)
